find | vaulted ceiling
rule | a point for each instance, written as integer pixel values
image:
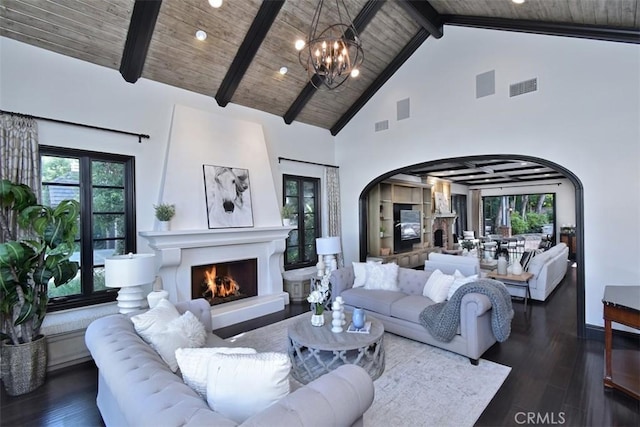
(250, 40)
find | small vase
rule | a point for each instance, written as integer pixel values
(502, 265)
(317, 319)
(359, 317)
(163, 225)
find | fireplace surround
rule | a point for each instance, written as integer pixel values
(178, 251)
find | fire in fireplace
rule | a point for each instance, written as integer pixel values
(226, 281)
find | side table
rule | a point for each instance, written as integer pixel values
(521, 280)
(621, 367)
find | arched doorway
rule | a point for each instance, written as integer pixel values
(579, 215)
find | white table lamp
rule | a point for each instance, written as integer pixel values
(329, 247)
(129, 273)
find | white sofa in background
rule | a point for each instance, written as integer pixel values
(548, 269)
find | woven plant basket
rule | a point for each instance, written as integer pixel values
(24, 366)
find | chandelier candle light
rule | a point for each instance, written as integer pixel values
(129, 272)
(333, 54)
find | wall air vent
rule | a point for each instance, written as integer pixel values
(523, 87)
(383, 125)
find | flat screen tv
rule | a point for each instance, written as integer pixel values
(407, 227)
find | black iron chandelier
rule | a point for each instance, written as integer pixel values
(333, 54)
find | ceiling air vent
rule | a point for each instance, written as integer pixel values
(383, 125)
(523, 87)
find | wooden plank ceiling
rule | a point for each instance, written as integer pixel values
(249, 40)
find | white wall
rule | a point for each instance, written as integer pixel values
(42, 83)
(583, 117)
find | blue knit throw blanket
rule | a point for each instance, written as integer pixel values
(442, 319)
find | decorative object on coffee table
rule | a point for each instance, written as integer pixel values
(336, 314)
(359, 317)
(318, 297)
(316, 351)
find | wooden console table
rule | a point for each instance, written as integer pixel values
(621, 367)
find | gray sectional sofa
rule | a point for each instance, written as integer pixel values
(399, 311)
(137, 388)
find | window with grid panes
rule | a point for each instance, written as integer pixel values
(303, 195)
(103, 184)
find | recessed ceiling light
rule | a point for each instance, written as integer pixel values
(215, 3)
(518, 1)
(523, 163)
(299, 44)
(201, 35)
(355, 72)
(283, 70)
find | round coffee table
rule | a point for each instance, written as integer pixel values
(315, 350)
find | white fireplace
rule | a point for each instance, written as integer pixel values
(178, 251)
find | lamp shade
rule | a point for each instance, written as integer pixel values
(328, 245)
(122, 271)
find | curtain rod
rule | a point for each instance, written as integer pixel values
(64, 122)
(280, 159)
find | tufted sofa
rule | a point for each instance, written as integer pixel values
(399, 311)
(136, 387)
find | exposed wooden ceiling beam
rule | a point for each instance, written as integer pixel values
(360, 22)
(424, 14)
(260, 26)
(143, 21)
(594, 32)
(382, 78)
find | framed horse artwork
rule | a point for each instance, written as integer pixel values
(228, 197)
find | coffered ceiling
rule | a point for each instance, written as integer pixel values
(250, 40)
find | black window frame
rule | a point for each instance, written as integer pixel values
(300, 224)
(88, 297)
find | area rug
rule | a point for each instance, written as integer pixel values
(420, 386)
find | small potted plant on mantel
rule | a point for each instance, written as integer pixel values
(30, 256)
(164, 213)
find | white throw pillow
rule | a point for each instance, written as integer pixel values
(382, 276)
(458, 280)
(194, 364)
(184, 332)
(155, 320)
(437, 286)
(360, 272)
(241, 385)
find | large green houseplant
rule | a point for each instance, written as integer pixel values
(39, 252)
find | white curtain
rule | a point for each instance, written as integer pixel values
(19, 158)
(332, 179)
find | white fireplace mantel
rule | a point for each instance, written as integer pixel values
(177, 251)
(185, 239)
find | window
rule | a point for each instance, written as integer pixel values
(103, 184)
(522, 213)
(302, 194)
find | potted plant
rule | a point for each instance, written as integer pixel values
(38, 252)
(287, 214)
(382, 230)
(164, 213)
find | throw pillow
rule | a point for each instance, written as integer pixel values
(382, 276)
(458, 280)
(184, 332)
(194, 364)
(437, 286)
(241, 385)
(526, 259)
(360, 272)
(155, 320)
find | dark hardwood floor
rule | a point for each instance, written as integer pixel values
(556, 379)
